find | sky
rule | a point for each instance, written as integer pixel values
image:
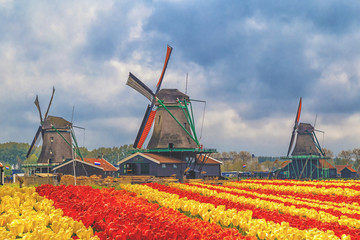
(250, 61)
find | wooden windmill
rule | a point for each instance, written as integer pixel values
(306, 140)
(307, 158)
(174, 128)
(57, 138)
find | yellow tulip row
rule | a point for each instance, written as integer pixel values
(340, 183)
(351, 209)
(272, 206)
(25, 214)
(298, 189)
(242, 220)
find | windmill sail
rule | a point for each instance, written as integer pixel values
(33, 143)
(139, 86)
(297, 118)
(146, 128)
(167, 58)
(38, 107)
(52, 96)
(142, 127)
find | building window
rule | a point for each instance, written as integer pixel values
(50, 151)
(163, 165)
(174, 166)
(51, 139)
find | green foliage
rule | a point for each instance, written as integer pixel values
(7, 171)
(13, 153)
(112, 155)
(31, 160)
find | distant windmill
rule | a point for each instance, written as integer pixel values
(306, 140)
(307, 158)
(57, 136)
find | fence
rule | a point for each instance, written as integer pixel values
(35, 180)
(92, 180)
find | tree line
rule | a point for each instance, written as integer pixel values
(13, 155)
(245, 161)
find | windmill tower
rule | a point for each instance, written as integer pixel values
(174, 128)
(307, 158)
(56, 134)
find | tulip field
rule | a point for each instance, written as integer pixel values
(247, 209)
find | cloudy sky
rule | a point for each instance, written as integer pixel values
(250, 60)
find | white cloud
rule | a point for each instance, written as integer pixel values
(254, 24)
(136, 18)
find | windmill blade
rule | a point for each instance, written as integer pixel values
(168, 53)
(291, 142)
(145, 126)
(38, 107)
(298, 112)
(34, 141)
(297, 118)
(78, 127)
(315, 121)
(139, 86)
(52, 96)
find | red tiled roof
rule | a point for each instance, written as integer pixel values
(339, 168)
(103, 163)
(162, 159)
(325, 164)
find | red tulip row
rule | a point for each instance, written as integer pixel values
(117, 214)
(259, 213)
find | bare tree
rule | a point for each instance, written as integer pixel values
(346, 156)
(328, 152)
(356, 155)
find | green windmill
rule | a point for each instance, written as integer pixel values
(170, 112)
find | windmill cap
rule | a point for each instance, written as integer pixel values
(305, 128)
(171, 95)
(57, 122)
